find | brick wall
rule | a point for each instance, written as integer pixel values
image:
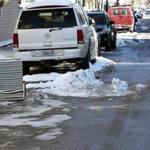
(8, 17)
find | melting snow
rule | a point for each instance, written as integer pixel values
(140, 87)
(52, 134)
(80, 83)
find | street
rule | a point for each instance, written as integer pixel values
(45, 121)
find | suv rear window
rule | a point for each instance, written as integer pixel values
(47, 18)
(98, 18)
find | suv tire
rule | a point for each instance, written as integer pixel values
(113, 41)
(108, 47)
(26, 68)
(86, 60)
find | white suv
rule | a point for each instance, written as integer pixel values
(53, 32)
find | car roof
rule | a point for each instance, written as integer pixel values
(49, 3)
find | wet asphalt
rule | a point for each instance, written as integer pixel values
(102, 123)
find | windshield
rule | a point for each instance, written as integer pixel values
(99, 18)
(47, 18)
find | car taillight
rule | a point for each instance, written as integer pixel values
(15, 40)
(80, 37)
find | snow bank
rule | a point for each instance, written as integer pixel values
(101, 63)
(118, 87)
(80, 83)
(41, 77)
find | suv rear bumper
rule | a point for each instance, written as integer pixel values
(57, 54)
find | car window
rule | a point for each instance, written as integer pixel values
(86, 17)
(80, 17)
(47, 18)
(123, 12)
(98, 18)
(115, 12)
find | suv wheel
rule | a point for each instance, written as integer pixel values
(86, 60)
(26, 68)
(113, 43)
(99, 48)
(108, 45)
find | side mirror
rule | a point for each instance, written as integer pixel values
(91, 21)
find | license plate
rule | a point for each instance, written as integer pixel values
(43, 53)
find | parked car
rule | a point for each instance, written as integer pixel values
(105, 29)
(138, 14)
(123, 17)
(54, 31)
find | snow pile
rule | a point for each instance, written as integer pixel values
(42, 77)
(101, 63)
(118, 86)
(80, 83)
(140, 87)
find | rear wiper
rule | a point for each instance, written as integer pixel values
(59, 28)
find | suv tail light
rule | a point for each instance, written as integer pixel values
(80, 37)
(15, 40)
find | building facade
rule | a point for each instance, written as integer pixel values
(8, 15)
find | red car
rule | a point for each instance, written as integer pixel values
(123, 17)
